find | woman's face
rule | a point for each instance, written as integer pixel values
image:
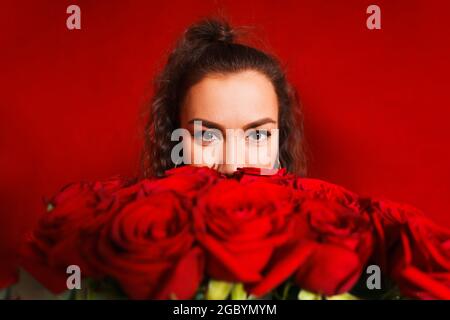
(233, 122)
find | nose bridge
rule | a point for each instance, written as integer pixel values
(233, 151)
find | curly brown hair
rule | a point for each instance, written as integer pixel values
(207, 47)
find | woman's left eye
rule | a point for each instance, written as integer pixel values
(258, 135)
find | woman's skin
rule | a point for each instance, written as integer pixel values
(245, 102)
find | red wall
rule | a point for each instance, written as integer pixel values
(376, 102)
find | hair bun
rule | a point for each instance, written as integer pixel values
(211, 30)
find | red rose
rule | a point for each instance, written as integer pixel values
(343, 241)
(393, 214)
(249, 175)
(419, 260)
(388, 219)
(329, 247)
(240, 226)
(322, 190)
(187, 180)
(51, 248)
(149, 248)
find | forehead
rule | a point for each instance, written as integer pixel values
(232, 100)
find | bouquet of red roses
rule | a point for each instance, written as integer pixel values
(197, 234)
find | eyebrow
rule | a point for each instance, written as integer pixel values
(258, 123)
(213, 125)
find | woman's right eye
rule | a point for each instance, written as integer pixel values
(207, 136)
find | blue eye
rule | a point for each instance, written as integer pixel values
(207, 136)
(258, 135)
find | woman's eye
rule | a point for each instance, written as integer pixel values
(258, 135)
(207, 136)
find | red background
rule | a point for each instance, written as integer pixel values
(376, 101)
